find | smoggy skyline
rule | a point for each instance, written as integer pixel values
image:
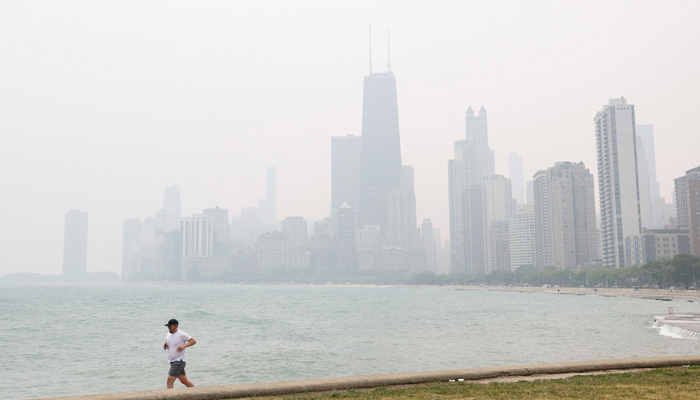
(103, 105)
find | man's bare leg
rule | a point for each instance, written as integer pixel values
(184, 380)
(171, 380)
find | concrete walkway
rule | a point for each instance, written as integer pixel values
(380, 380)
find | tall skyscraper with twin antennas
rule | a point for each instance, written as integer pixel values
(380, 165)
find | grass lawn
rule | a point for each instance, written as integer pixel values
(663, 383)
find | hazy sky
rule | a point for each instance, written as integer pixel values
(104, 104)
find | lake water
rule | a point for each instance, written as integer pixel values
(60, 340)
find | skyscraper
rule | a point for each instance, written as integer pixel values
(345, 170)
(345, 175)
(75, 243)
(380, 166)
(171, 205)
(220, 225)
(477, 129)
(345, 240)
(472, 164)
(131, 248)
(618, 180)
(401, 230)
(517, 177)
(429, 245)
(268, 206)
(498, 207)
(543, 216)
(646, 134)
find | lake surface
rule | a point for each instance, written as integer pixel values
(60, 340)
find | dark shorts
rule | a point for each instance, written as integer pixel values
(177, 368)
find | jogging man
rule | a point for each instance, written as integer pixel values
(176, 341)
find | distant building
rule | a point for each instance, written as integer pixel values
(688, 204)
(473, 162)
(346, 156)
(197, 236)
(380, 165)
(401, 230)
(497, 206)
(572, 207)
(221, 228)
(294, 229)
(498, 240)
(320, 252)
(368, 238)
(543, 219)
(517, 177)
(429, 246)
(268, 206)
(618, 179)
(75, 237)
(521, 237)
(131, 248)
(345, 240)
(655, 244)
(566, 235)
(273, 252)
(172, 205)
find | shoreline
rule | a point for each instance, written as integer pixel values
(363, 382)
(640, 293)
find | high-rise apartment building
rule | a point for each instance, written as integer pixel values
(688, 204)
(572, 207)
(498, 207)
(521, 236)
(517, 177)
(380, 165)
(566, 234)
(618, 180)
(75, 237)
(543, 216)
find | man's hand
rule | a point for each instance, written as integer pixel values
(165, 346)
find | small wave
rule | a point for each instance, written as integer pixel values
(675, 332)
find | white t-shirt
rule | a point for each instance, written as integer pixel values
(174, 340)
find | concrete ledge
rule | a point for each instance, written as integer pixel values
(378, 380)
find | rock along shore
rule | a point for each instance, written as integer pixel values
(380, 380)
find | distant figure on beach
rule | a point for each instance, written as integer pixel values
(176, 341)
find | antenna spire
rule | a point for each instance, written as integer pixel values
(370, 46)
(388, 49)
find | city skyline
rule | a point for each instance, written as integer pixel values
(117, 170)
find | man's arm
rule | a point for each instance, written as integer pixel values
(189, 343)
(165, 346)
